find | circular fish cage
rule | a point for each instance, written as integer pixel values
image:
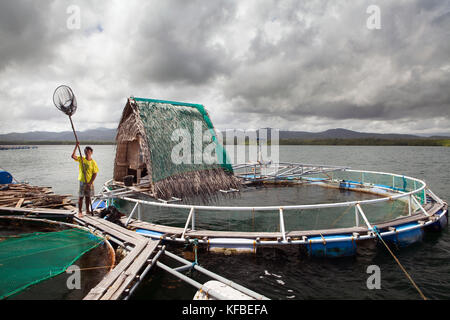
(50, 260)
(327, 211)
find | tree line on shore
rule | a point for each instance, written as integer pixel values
(324, 142)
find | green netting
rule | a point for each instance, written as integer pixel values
(31, 258)
(396, 183)
(161, 119)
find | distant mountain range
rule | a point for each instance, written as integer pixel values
(345, 134)
(108, 135)
(101, 135)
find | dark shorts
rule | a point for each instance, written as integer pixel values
(85, 191)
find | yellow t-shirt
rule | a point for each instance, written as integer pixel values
(90, 166)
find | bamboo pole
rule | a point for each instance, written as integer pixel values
(81, 158)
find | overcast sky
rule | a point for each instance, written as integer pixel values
(297, 65)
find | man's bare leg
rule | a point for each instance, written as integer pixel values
(80, 207)
(88, 205)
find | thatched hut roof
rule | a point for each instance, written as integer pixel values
(147, 126)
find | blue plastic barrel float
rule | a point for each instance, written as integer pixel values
(440, 224)
(405, 238)
(335, 249)
(346, 184)
(5, 177)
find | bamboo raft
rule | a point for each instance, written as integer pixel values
(27, 196)
(28, 200)
(125, 276)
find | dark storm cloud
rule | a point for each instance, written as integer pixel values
(25, 32)
(296, 77)
(304, 62)
(176, 43)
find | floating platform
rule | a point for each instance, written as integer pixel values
(17, 147)
(425, 212)
(143, 254)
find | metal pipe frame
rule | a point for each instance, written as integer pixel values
(144, 273)
(361, 212)
(131, 214)
(358, 210)
(211, 292)
(252, 242)
(191, 213)
(420, 206)
(396, 196)
(282, 228)
(215, 276)
(187, 265)
(435, 197)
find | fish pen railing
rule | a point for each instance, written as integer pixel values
(410, 191)
(280, 170)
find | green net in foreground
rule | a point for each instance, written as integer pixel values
(31, 258)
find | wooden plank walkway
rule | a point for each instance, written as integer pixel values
(63, 213)
(115, 283)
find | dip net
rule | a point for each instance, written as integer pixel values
(28, 259)
(65, 100)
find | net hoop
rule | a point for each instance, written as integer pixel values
(65, 100)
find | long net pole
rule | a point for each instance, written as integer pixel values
(81, 160)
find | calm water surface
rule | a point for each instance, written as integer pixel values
(285, 273)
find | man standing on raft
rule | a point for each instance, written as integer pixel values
(86, 183)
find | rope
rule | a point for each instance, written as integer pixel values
(400, 265)
(195, 253)
(323, 240)
(93, 268)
